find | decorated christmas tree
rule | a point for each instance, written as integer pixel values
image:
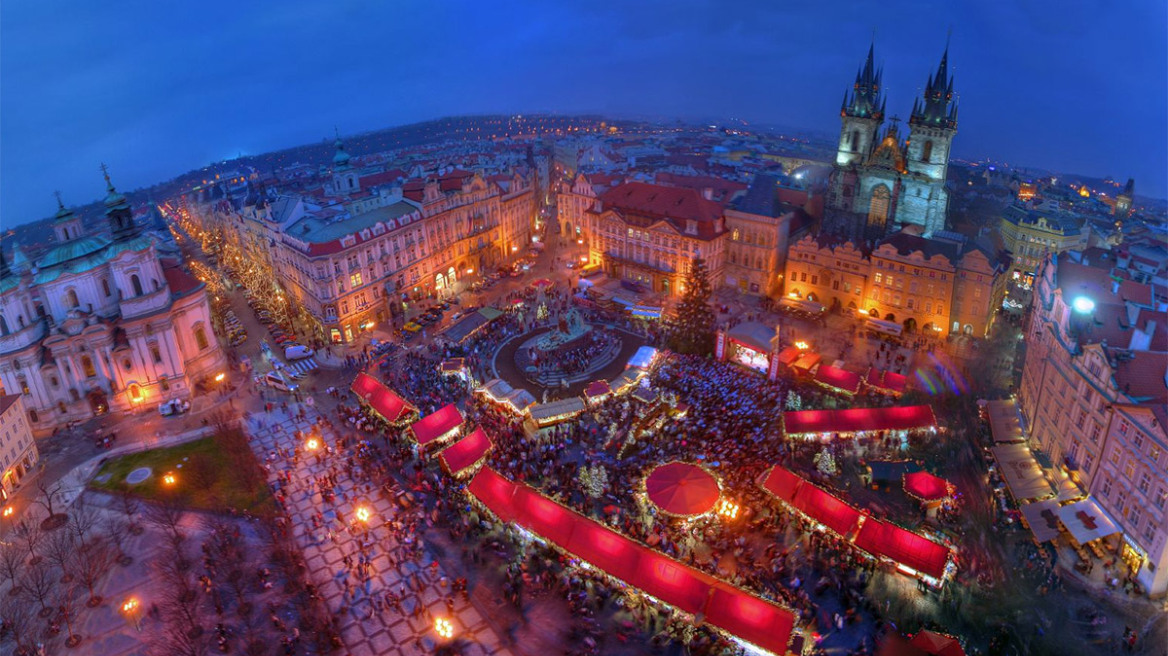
(693, 331)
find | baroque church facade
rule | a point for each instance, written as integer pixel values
(102, 324)
(883, 181)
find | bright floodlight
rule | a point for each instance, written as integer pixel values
(1083, 305)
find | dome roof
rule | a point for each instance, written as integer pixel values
(72, 250)
(114, 199)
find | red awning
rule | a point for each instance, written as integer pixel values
(789, 355)
(733, 610)
(436, 424)
(926, 486)
(757, 621)
(495, 492)
(464, 453)
(859, 420)
(838, 378)
(680, 488)
(826, 509)
(903, 546)
(383, 400)
(886, 381)
(937, 644)
(782, 483)
(597, 388)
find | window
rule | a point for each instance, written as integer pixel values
(1161, 498)
(71, 300)
(1138, 440)
(1106, 489)
(164, 384)
(1095, 432)
(927, 152)
(1082, 419)
(1115, 456)
(1135, 516)
(1129, 469)
(155, 354)
(201, 338)
(1145, 482)
(87, 366)
(1123, 427)
(879, 277)
(355, 279)
(136, 284)
(33, 416)
(814, 280)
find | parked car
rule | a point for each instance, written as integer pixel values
(297, 352)
(173, 407)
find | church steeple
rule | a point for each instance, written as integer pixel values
(341, 158)
(937, 107)
(866, 100)
(66, 224)
(118, 212)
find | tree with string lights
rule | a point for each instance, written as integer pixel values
(693, 331)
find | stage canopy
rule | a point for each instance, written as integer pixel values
(753, 335)
(1021, 472)
(857, 420)
(436, 425)
(927, 487)
(1042, 518)
(739, 613)
(1086, 521)
(838, 379)
(903, 546)
(682, 489)
(384, 401)
(465, 453)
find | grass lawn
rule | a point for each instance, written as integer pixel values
(203, 481)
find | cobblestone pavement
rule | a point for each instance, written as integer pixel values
(364, 630)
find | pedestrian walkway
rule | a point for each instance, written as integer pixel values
(355, 562)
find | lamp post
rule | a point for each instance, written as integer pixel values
(131, 610)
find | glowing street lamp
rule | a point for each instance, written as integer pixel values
(802, 346)
(363, 514)
(312, 444)
(219, 377)
(132, 610)
(444, 628)
(727, 509)
(169, 479)
(8, 511)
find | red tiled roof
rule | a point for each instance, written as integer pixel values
(675, 204)
(723, 190)
(1136, 292)
(179, 281)
(1142, 375)
(385, 177)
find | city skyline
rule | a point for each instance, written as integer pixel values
(160, 104)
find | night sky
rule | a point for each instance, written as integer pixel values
(157, 88)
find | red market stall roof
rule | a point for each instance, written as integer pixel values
(856, 420)
(597, 389)
(927, 487)
(750, 618)
(886, 381)
(782, 483)
(436, 424)
(384, 401)
(826, 509)
(789, 355)
(465, 453)
(682, 489)
(903, 546)
(937, 644)
(837, 378)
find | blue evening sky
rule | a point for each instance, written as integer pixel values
(158, 88)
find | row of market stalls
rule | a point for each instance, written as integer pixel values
(855, 422)
(912, 553)
(737, 613)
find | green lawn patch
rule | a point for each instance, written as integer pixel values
(206, 479)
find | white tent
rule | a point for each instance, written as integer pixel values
(1021, 471)
(1086, 521)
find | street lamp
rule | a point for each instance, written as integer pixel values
(132, 611)
(312, 444)
(444, 628)
(363, 514)
(169, 479)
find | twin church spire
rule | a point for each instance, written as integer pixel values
(936, 108)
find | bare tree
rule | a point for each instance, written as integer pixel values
(166, 514)
(130, 506)
(37, 584)
(65, 599)
(22, 626)
(81, 521)
(59, 549)
(12, 558)
(30, 534)
(49, 495)
(117, 530)
(91, 564)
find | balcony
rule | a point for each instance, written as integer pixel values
(23, 338)
(146, 303)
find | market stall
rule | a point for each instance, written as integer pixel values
(465, 455)
(644, 358)
(626, 380)
(682, 489)
(750, 344)
(914, 554)
(597, 391)
(811, 423)
(437, 426)
(554, 412)
(455, 367)
(383, 401)
(927, 488)
(885, 382)
(838, 380)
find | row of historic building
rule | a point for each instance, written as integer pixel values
(356, 255)
(1094, 396)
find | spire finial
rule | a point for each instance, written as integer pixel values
(105, 171)
(337, 131)
(60, 203)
